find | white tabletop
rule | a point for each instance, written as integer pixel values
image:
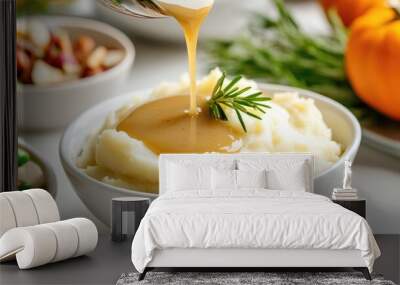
(376, 175)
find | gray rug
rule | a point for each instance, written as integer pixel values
(243, 278)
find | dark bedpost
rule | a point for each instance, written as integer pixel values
(364, 271)
(143, 274)
(8, 129)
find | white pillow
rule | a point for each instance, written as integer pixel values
(251, 178)
(223, 179)
(181, 177)
(218, 163)
(294, 179)
(282, 174)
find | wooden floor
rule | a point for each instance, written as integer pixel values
(110, 260)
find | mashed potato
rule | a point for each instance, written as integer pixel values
(292, 124)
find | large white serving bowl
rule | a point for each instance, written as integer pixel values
(55, 106)
(97, 195)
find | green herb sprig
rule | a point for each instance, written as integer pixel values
(231, 96)
(23, 157)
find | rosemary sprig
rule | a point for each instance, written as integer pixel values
(231, 96)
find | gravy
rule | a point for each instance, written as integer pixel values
(175, 124)
(164, 126)
(190, 20)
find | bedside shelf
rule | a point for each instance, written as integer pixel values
(357, 206)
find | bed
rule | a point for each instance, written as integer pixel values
(276, 225)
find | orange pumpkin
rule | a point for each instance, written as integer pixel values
(349, 10)
(373, 60)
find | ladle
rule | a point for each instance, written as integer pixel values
(136, 8)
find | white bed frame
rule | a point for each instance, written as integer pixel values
(250, 257)
(246, 258)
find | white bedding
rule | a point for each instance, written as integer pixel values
(250, 219)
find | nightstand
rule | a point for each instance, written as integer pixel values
(357, 206)
(127, 212)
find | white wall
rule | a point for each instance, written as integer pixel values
(377, 177)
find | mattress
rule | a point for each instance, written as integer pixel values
(250, 219)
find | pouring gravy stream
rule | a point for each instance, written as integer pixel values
(190, 20)
(171, 125)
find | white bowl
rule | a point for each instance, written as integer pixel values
(48, 172)
(97, 195)
(55, 106)
(226, 18)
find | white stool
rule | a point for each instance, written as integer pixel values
(26, 208)
(31, 230)
(41, 244)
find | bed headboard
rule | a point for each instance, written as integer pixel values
(214, 158)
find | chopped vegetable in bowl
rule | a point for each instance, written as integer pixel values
(34, 171)
(51, 55)
(30, 173)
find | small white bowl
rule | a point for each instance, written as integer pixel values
(48, 172)
(97, 195)
(55, 106)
